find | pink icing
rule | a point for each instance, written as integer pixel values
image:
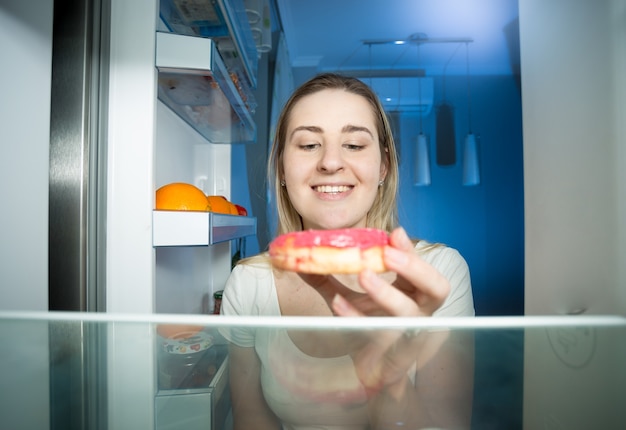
(342, 238)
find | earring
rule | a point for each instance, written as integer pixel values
(282, 183)
(381, 183)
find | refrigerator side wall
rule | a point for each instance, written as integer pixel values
(26, 46)
(573, 110)
(574, 164)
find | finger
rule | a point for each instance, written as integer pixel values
(399, 239)
(370, 360)
(419, 346)
(431, 287)
(344, 308)
(413, 350)
(389, 298)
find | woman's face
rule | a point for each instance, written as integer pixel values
(332, 160)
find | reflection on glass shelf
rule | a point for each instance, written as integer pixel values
(191, 228)
(483, 373)
(192, 377)
(194, 82)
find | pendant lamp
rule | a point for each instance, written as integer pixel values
(421, 168)
(471, 167)
(446, 136)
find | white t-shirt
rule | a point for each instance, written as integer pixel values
(317, 393)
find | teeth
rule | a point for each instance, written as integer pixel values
(332, 188)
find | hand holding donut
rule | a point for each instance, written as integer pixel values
(418, 290)
(417, 280)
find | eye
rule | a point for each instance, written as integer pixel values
(353, 146)
(309, 146)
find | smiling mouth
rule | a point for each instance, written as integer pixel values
(332, 189)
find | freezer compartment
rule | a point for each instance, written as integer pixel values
(226, 22)
(194, 82)
(187, 228)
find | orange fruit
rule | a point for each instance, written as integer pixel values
(221, 205)
(233, 209)
(180, 196)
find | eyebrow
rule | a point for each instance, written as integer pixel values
(311, 128)
(349, 128)
(356, 128)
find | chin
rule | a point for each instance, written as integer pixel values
(334, 225)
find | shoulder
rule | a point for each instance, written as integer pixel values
(440, 256)
(255, 268)
(249, 289)
(451, 264)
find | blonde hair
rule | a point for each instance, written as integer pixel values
(383, 213)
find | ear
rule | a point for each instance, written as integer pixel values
(384, 164)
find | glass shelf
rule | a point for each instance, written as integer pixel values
(194, 82)
(226, 22)
(528, 372)
(188, 228)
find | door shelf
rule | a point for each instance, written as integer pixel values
(194, 82)
(225, 21)
(206, 408)
(188, 228)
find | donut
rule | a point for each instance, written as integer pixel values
(323, 252)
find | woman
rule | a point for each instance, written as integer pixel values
(334, 165)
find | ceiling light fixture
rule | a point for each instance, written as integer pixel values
(421, 170)
(471, 167)
(446, 139)
(418, 38)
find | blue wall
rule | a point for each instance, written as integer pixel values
(486, 222)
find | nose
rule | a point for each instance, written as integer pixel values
(331, 159)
